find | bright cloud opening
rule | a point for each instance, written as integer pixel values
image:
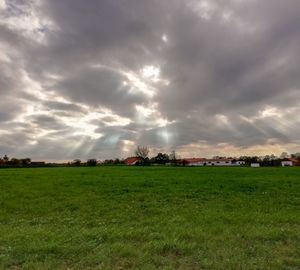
(151, 73)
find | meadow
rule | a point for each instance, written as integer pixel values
(150, 218)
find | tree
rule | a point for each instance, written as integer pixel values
(14, 162)
(249, 159)
(5, 159)
(25, 162)
(77, 162)
(91, 162)
(284, 155)
(173, 157)
(108, 162)
(142, 152)
(296, 156)
(117, 161)
(161, 158)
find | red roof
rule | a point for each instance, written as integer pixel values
(193, 160)
(220, 159)
(295, 161)
(131, 160)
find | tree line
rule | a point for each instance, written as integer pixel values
(5, 161)
(142, 153)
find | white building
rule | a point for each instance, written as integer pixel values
(255, 165)
(213, 162)
(287, 163)
(240, 162)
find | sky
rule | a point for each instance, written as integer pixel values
(95, 78)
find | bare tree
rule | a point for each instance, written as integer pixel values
(173, 155)
(142, 152)
(5, 159)
(173, 158)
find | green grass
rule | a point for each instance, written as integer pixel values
(150, 218)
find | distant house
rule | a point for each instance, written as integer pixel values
(212, 162)
(286, 163)
(289, 162)
(193, 161)
(240, 162)
(296, 162)
(131, 160)
(255, 165)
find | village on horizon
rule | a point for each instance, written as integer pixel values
(141, 158)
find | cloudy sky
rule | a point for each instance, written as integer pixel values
(83, 78)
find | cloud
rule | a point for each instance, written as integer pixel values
(97, 79)
(97, 87)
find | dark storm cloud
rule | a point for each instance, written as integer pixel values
(229, 73)
(221, 68)
(100, 87)
(10, 105)
(8, 110)
(47, 122)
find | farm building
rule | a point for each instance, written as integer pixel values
(194, 161)
(286, 163)
(289, 162)
(131, 160)
(213, 162)
(255, 165)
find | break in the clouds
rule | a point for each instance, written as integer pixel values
(83, 79)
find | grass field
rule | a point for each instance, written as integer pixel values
(150, 218)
